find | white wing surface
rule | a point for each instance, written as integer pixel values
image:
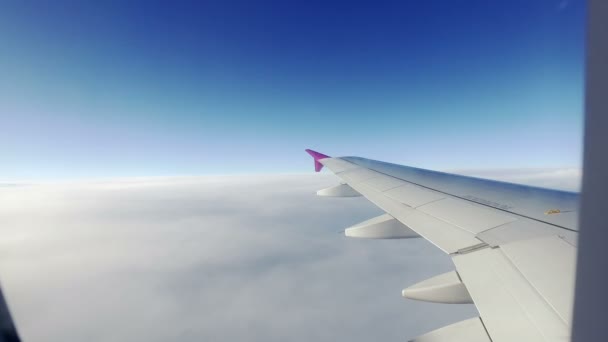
(513, 246)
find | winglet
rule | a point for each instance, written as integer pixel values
(317, 156)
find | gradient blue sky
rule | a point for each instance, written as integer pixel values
(124, 88)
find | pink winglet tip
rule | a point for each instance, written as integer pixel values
(317, 156)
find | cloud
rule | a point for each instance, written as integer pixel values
(207, 258)
(214, 258)
(555, 178)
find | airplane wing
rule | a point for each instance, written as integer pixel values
(513, 246)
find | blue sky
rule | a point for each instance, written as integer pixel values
(125, 88)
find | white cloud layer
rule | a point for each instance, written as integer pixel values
(207, 259)
(554, 178)
(211, 258)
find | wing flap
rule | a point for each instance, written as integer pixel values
(514, 231)
(549, 264)
(468, 216)
(511, 308)
(445, 236)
